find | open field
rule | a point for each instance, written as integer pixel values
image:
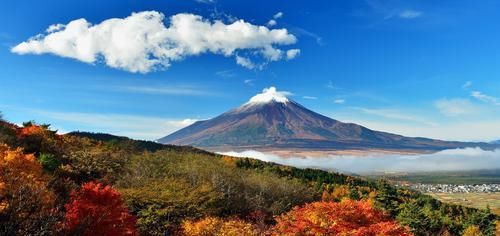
(476, 200)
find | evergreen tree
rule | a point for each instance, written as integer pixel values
(412, 215)
(387, 197)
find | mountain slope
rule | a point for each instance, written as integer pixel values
(270, 120)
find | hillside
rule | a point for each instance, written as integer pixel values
(271, 120)
(49, 180)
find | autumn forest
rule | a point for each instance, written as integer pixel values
(98, 184)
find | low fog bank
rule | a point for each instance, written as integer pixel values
(447, 160)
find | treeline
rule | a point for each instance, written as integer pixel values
(86, 184)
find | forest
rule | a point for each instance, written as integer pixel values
(98, 184)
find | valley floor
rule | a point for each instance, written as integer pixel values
(476, 200)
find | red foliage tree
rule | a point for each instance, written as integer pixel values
(356, 218)
(97, 210)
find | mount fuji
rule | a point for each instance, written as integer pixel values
(271, 120)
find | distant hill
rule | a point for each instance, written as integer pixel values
(139, 145)
(271, 120)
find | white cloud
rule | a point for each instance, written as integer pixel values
(271, 23)
(339, 101)
(486, 98)
(292, 53)
(54, 28)
(278, 15)
(245, 62)
(455, 107)
(410, 14)
(272, 54)
(310, 97)
(270, 94)
(447, 160)
(142, 42)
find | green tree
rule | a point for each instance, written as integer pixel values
(483, 219)
(412, 215)
(387, 197)
(48, 161)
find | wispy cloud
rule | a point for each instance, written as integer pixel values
(391, 11)
(395, 115)
(331, 85)
(486, 98)
(339, 101)
(310, 97)
(301, 31)
(205, 1)
(455, 106)
(164, 90)
(459, 130)
(248, 82)
(139, 127)
(409, 14)
(278, 15)
(467, 84)
(226, 73)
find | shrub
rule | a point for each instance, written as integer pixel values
(97, 210)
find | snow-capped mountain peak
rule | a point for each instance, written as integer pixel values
(270, 94)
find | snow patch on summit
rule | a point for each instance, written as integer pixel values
(269, 95)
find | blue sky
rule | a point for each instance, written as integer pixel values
(418, 68)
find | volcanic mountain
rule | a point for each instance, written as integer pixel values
(271, 120)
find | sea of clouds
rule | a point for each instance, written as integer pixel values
(447, 160)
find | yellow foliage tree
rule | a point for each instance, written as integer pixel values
(218, 226)
(498, 227)
(339, 192)
(25, 200)
(472, 230)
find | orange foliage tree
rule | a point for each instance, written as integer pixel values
(218, 226)
(26, 204)
(347, 217)
(97, 210)
(34, 138)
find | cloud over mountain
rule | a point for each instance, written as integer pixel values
(142, 42)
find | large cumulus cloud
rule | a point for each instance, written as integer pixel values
(142, 42)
